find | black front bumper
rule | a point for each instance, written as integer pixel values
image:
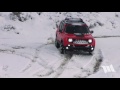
(78, 48)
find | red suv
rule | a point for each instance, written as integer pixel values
(72, 35)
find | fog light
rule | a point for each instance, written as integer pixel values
(68, 44)
(92, 48)
(66, 47)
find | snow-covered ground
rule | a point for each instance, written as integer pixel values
(27, 48)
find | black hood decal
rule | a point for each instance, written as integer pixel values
(79, 34)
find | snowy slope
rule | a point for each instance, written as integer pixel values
(27, 48)
(110, 48)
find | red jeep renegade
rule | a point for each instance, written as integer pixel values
(74, 35)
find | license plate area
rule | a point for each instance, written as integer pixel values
(80, 42)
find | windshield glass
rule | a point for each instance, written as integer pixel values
(77, 29)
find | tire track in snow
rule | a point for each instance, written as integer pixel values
(51, 71)
(43, 64)
(8, 51)
(32, 61)
(65, 62)
(62, 66)
(37, 59)
(92, 66)
(99, 60)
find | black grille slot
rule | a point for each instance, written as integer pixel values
(80, 41)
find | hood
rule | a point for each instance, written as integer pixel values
(80, 36)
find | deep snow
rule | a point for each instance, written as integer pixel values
(27, 48)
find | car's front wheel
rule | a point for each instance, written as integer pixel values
(91, 50)
(90, 53)
(62, 50)
(57, 44)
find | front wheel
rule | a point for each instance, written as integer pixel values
(90, 53)
(62, 50)
(57, 44)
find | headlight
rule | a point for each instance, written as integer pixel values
(70, 40)
(90, 40)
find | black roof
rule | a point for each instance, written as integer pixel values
(74, 21)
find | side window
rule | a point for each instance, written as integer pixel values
(60, 26)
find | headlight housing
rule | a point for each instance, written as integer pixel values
(70, 40)
(90, 41)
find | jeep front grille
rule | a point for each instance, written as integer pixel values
(80, 42)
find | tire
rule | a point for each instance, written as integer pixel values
(57, 44)
(91, 53)
(62, 50)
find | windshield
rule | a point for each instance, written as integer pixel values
(77, 29)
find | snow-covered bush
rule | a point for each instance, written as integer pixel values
(9, 28)
(21, 16)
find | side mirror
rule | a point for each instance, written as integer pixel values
(91, 31)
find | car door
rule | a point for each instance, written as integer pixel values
(59, 33)
(62, 33)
